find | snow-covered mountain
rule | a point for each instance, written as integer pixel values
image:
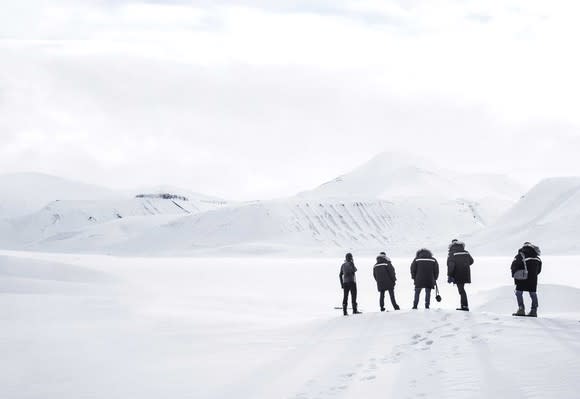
(38, 207)
(292, 225)
(60, 219)
(391, 176)
(23, 193)
(549, 215)
(391, 202)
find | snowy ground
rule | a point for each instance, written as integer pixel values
(75, 326)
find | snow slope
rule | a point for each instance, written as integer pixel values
(392, 202)
(290, 226)
(23, 193)
(391, 175)
(62, 218)
(53, 209)
(549, 215)
(105, 327)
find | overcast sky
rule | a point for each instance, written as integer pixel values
(258, 99)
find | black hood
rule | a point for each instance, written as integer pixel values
(457, 246)
(530, 250)
(424, 253)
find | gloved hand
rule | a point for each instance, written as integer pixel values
(342, 285)
(450, 280)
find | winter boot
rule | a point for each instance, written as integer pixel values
(355, 310)
(382, 309)
(397, 307)
(344, 312)
(533, 313)
(521, 312)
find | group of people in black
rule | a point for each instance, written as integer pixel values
(525, 269)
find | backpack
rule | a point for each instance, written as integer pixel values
(522, 274)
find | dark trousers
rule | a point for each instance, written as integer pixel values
(349, 287)
(462, 294)
(427, 297)
(520, 298)
(393, 300)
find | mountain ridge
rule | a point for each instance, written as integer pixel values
(392, 202)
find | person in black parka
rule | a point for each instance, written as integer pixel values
(459, 263)
(425, 272)
(384, 274)
(528, 257)
(348, 284)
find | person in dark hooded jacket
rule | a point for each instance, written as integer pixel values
(459, 263)
(384, 274)
(528, 257)
(424, 272)
(348, 284)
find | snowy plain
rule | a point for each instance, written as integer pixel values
(95, 326)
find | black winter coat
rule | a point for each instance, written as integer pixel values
(384, 274)
(347, 272)
(534, 264)
(459, 264)
(425, 269)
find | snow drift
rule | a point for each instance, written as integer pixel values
(549, 215)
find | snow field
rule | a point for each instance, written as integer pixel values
(98, 326)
